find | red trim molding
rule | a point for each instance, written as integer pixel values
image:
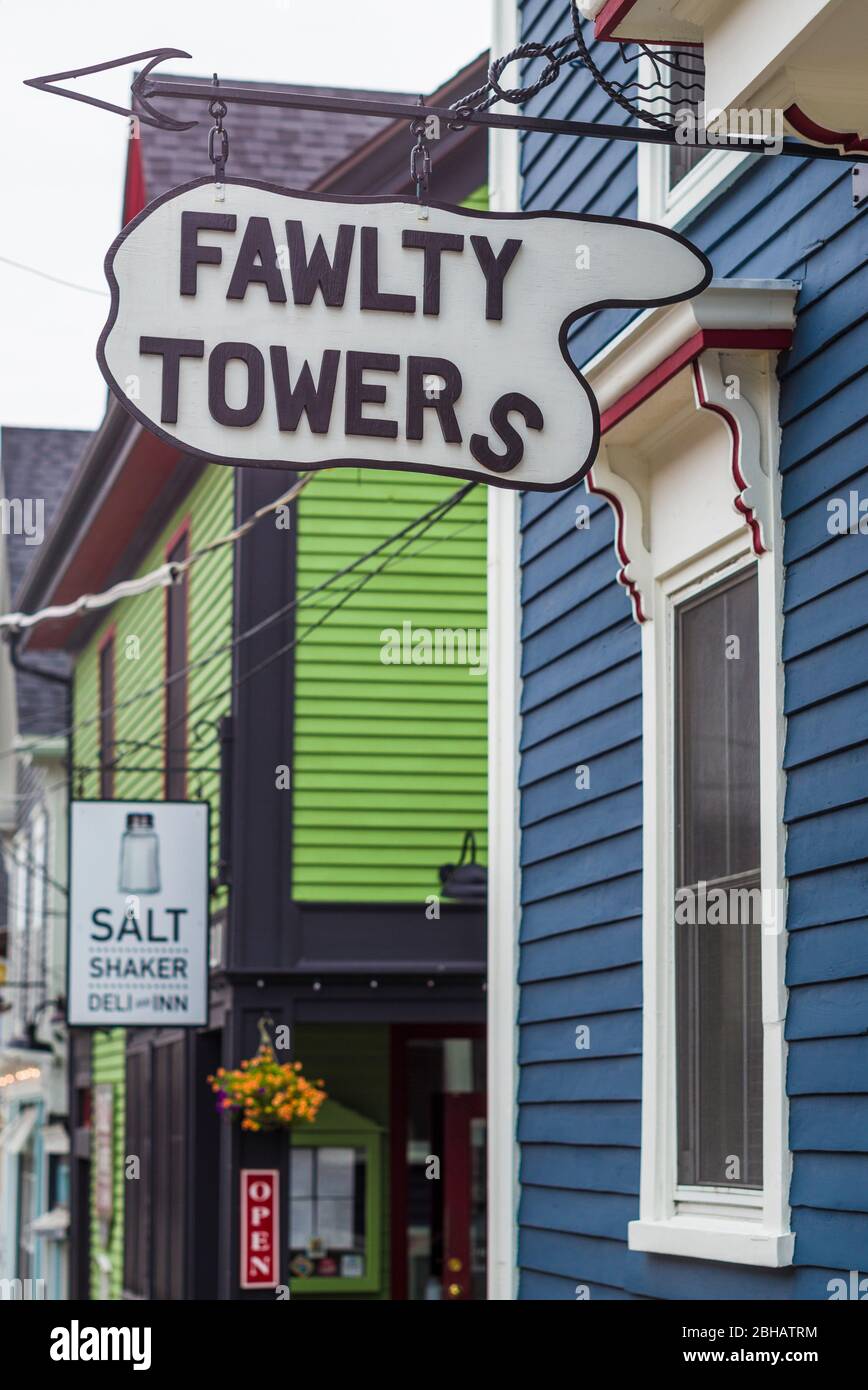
(613, 14)
(820, 134)
(633, 592)
(610, 16)
(738, 477)
(757, 339)
(688, 355)
(135, 196)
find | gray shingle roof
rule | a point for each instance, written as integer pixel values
(38, 464)
(293, 148)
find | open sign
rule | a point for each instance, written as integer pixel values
(293, 331)
(260, 1228)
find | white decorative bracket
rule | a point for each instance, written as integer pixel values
(725, 342)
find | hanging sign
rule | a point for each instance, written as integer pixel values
(138, 914)
(293, 331)
(260, 1228)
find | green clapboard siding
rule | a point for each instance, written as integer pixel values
(389, 764)
(140, 659)
(108, 1060)
(139, 664)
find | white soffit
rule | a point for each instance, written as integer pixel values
(726, 306)
(805, 58)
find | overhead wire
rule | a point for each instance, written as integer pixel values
(430, 517)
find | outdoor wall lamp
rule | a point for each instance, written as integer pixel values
(466, 882)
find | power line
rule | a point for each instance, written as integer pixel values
(447, 506)
(432, 515)
(199, 741)
(55, 279)
(160, 578)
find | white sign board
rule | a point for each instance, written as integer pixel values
(293, 331)
(138, 914)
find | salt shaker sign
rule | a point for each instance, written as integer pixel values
(138, 914)
(287, 330)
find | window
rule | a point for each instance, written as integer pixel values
(20, 964)
(26, 1208)
(706, 582)
(718, 953)
(687, 76)
(327, 1212)
(37, 948)
(677, 181)
(107, 718)
(176, 679)
(137, 1227)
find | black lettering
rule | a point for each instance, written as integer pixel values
(171, 350)
(433, 244)
(359, 393)
(305, 398)
(105, 927)
(319, 273)
(176, 913)
(372, 297)
(442, 400)
(499, 417)
(494, 269)
(257, 245)
(221, 411)
(129, 927)
(192, 254)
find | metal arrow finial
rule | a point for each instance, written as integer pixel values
(148, 114)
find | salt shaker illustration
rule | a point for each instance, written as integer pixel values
(140, 855)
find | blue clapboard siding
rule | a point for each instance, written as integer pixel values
(579, 1111)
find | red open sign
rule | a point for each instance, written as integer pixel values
(260, 1228)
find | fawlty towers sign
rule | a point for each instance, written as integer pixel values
(287, 330)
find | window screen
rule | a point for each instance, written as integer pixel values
(718, 910)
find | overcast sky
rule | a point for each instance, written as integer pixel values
(61, 162)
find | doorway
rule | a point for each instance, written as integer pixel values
(438, 1163)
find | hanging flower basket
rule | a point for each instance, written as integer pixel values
(267, 1094)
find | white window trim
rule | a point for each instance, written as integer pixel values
(678, 206)
(732, 1227)
(705, 1223)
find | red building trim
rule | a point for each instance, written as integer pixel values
(820, 134)
(756, 339)
(613, 14)
(399, 1036)
(620, 548)
(735, 457)
(106, 699)
(180, 535)
(135, 196)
